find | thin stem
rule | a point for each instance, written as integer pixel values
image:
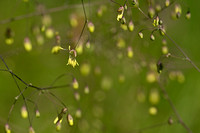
(184, 54)
(166, 96)
(48, 11)
(85, 22)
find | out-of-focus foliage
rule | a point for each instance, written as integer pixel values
(112, 70)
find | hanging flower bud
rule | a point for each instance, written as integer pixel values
(121, 78)
(40, 39)
(156, 21)
(77, 96)
(46, 20)
(159, 67)
(91, 27)
(151, 12)
(131, 26)
(37, 113)
(165, 49)
(24, 112)
(27, 44)
(73, 21)
(85, 69)
(9, 36)
(151, 77)
(75, 84)
(158, 8)
(121, 43)
(141, 97)
(180, 77)
(101, 10)
(7, 128)
(59, 118)
(162, 31)
(153, 110)
(135, 3)
(124, 27)
(120, 13)
(167, 3)
(140, 34)
(154, 96)
(170, 121)
(58, 126)
(49, 33)
(56, 49)
(130, 52)
(86, 90)
(178, 10)
(123, 20)
(31, 130)
(88, 45)
(72, 57)
(152, 37)
(70, 120)
(79, 48)
(78, 113)
(188, 15)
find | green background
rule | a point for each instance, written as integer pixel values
(111, 110)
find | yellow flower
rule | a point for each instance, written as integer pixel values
(72, 62)
(56, 49)
(72, 58)
(120, 13)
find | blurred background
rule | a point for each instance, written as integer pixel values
(117, 66)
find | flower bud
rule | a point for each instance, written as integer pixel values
(24, 112)
(7, 128)
(75, 84)
(91, 27)
(27, 44)
(70, 120)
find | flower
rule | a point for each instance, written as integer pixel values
(72, 58)
(56, 49)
